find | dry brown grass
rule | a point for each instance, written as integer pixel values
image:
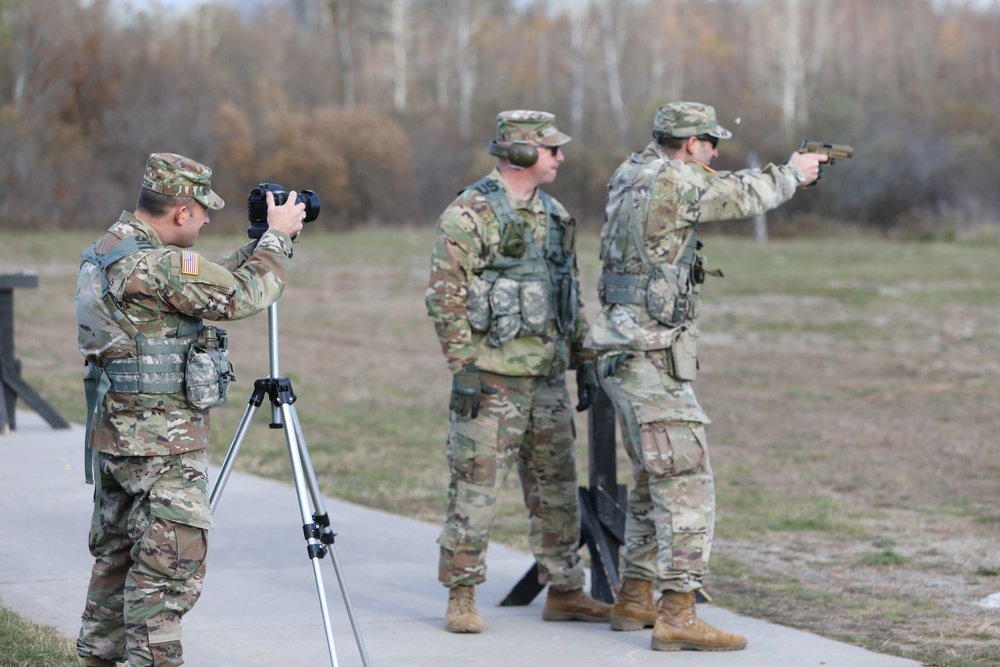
(853, 385)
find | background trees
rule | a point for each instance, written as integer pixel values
(384, 107)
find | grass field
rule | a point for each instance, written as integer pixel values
(853, 384)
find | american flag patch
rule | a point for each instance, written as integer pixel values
(189, 263)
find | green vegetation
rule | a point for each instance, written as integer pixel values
(24, 644)
(884, 557)
(851, 382)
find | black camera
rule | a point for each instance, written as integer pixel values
(257, 206)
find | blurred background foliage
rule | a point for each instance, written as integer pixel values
(385, 107)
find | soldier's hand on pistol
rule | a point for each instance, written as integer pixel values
(809, 163)
(285, 218)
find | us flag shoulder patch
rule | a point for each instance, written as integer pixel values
(189, 263)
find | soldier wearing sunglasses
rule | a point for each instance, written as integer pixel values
(646, 340)
(504, 298)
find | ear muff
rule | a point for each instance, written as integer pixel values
(519, 154)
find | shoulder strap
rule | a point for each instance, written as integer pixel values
(494, 195)
(129, 245)
(556, 251)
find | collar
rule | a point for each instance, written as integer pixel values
(128, 224)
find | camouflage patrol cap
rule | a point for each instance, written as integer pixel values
(687, 119)
(531, 126)
(178, 176)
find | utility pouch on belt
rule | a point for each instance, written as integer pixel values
(478, 304)
(534, 307)
(505, 304)
(566, 302)
(682, 358)
(209, 370)
(664, 302)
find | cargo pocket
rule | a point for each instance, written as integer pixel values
(472, 450)
(672, 448)
(164, 629)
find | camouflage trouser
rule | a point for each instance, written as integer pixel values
(671, 509)
(148, 539)
(528, 422)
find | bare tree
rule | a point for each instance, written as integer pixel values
(578, 26)
(341, 26)
(611, 68)
(668, 49)
(792, 69)
(399, 33)
(467, 24)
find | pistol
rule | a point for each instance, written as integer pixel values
(833, 151)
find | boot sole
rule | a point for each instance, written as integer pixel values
(690, 646)
(623, 624)
(464, 629)
(571, 616)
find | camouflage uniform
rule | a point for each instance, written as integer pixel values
(149, 533)
(646, 363)
(528, 422)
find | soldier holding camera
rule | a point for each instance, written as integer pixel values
(503, 295)
(154, 370)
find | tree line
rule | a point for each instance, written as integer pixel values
(385, 107)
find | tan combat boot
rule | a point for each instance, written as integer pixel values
(574, 606)
(462, 615)
(678, 627)
(634, 608)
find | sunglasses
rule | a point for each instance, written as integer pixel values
(710, 139)
(554, 149)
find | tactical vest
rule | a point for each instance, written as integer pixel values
(194, 362)
(669, 291)
(526, 285)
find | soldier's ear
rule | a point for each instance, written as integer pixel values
(181, 213)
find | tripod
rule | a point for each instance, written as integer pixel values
(315, 521)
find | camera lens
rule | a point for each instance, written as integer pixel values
(311, 200)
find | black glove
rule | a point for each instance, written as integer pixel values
(465, 389)
(586, 385)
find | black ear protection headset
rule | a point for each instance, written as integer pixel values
(519, 153)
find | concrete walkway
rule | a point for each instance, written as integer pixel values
(260, 606)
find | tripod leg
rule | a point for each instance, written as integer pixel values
(323, 519)
(234, 449)
(310, 529)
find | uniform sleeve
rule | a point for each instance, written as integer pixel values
(734, 195)
(197, 287)
(457, 252)
(579, 354)
(238, 258)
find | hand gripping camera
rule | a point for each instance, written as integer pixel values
(257, 206)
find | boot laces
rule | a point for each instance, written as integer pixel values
(464, 600)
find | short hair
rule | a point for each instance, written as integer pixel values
(157, 204)
(672, 144)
